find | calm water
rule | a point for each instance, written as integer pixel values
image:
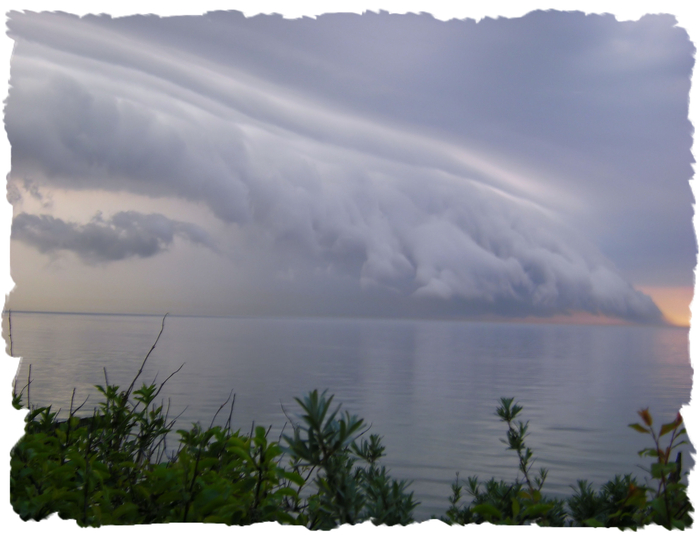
(430, 388)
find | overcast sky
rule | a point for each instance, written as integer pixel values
(353, 165)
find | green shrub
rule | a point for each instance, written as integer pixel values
(621, 502)
(605, 508)
(498, 502)
(114, 468)
(350, 486)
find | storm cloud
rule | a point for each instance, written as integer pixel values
(124, 235)
(474, 165)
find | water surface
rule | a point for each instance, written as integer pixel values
(430, 388)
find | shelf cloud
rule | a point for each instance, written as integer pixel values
(328, 160)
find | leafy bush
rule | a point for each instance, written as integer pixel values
(621, 502)
(607, 507)
(351, 487)
(508, 503)
(624, 503)
(114, 468)
(668, 504)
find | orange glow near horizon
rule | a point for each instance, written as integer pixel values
(572, 318)
(578, 318)
(674, 302)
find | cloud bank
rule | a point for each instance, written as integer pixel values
(124, 235)
(338, 192)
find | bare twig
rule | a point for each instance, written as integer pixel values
(168, 427)
(29, 382)
(369, 427)
(167, 379)
(287, 416)
(81, 405)
(176, 417)
(163, 440)
(167, 411)
(230, 413)
(72, 397)
(279, 440)
(131, 386)
(219, 409)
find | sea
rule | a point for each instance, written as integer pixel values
(429, 388)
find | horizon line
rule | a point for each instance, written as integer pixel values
(575, 318)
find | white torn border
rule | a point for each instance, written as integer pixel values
(686, 12)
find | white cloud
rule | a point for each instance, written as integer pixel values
(311, 185)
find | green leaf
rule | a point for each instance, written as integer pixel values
(678, 524)
(124, 509)
(240, 452)
(648, 452)
(639, 428)
(637, 497)
(659, 506)
(487, 510)
(538, 509)
(515, 507)
(206, 463)
(644, 414)
(593, 523)
(286, 491)
(294, 478)
(284, 518)
(667, 428)
(658, 470)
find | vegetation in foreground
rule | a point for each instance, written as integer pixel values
(621, 502)
(115, 468)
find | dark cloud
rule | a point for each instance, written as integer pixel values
(124, 235)
(419, 160)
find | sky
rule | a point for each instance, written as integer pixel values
(581, 122)
(533, 167)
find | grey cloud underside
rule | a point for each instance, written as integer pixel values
(320, 190)
(124, 235)
(450, 243)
